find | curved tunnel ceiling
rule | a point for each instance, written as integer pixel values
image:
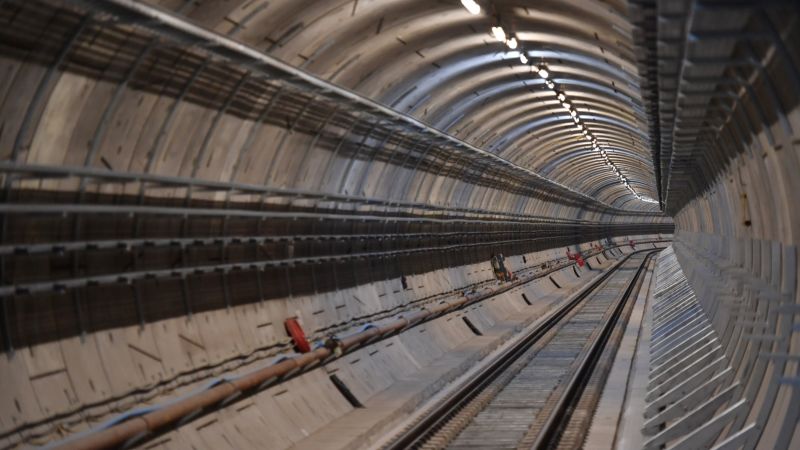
(442, 65)
(163, 180)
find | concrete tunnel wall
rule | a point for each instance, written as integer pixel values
(78, 382)
(131, 129)
(84, 355)
(742, 233)
(739, 211)
(734, 202)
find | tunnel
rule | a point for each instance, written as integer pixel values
(386, 224)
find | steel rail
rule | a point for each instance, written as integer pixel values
(436, 418)
(556, 422)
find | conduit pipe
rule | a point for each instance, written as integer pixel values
(226, 389)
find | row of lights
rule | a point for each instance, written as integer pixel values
(511, 42)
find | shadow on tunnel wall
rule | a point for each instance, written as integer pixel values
(299, 257)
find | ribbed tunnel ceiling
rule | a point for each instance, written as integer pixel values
(441, 64)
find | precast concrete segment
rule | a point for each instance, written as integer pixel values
(230, 388)
(724, 90)
(257, 66)
(60, 285)
(435, 48)
(691, 399)
(724, 84)
(204, 355)
(737, 245)
(167, 139)
(750, 307)
(146, 180)
(413, 110)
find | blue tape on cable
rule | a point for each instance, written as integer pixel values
(367, 327)
(362, 329)
(281, 358)
(129, 415)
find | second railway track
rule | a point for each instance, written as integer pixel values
(531, 396)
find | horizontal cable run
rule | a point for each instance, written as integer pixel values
(21, 172)
(128, 277)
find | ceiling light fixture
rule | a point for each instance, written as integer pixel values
(562, 97)
(512, 43)
(499, 34)
(543, 72)
(550, 84)
(471, 6)
(523, 59)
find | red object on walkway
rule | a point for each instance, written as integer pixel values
(298, 335)
(576, 257)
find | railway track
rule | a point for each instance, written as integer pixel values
(541, 392)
